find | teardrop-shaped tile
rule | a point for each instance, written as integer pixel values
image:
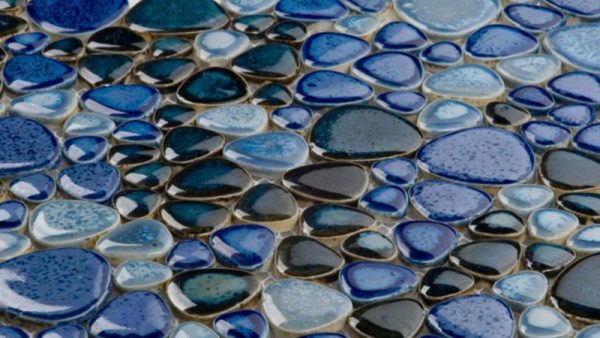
(586, 139)
(125, 155)
(498, 223)
(271, 61)
(13, 245)
(49, 107)
(65, 49)
(13, 215)
(586, 206)
(440, 283)
(532, 18)
(496, 42)
(332, 50)
(254, 25)
(551, 225)
(293, 118)
(170, 46)
(235, 120)
(26, 43)
(193, 219)
(442, 54)
(369, 245)
(153, 175)
(310, 10)
(242, 324)
(117, 40)
(244, 246)
(390, 70)
(446, 116)
(574, 46)
(27, 73)
(307, 258)
(137, 203)
(475, 259)
(139, 275)
(332, 223)
(63, 331)
(272, 95)
(139, 239)
(96, 182)
(576, 87)
(183, 145)
(170, 116)
(403, 103)
(548, 258)
(572, 115)
(165, 73)
(122, 102)
(137, 132)
(400, 36)
(542, 135)
(213, 86)
(543, 321)
(506, 115)
(570, 170)
(386, 203)
(530, 69)
(190, 254)
(267, 204)
(34, 188)
(193, 330)
(535, 99)
(291, 32)
(87, 123)
(398, 171)
(104, 69)
(425, 242)
(390, 318)
(585, 240)
(329, 88)
(367, 282)
(522, 289)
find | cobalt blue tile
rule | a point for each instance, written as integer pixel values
(586, 9)
(96, 182)
(220, 46)
(183, 145)
(293, 118)
(50, 107)
(528, 69)
(472, 316)
(270, 61)
(255, 25)
(443, 54)
(448, 115)
(534, 19)
(475, 259)
(164, 73)
(170, 46)
(137, 131)
(390, 70)
(358, 25)
(122, 102)
(542, 135)
(139, 314)
(535, 99)
(85, 149)
(542, 320)
(65, 49)
(248, 7)
(448, 20)
(569, 169)
(332, 49)
(153, 175)
(190, 254)
(548, 258)
(173, 115)
(330, 88)
(522, 289)
(368, 6)
(307, 258)
(425, 242)
(80, 281)
(587, 139)
(494, 42)
(310, 10)
(268, 154)
(242, 324)
(104, 69)
(400, 36)
(363, 133)
(25, 73)
(244, 246)
(451, 156)
(272, 95)
(572, 115)
(26, 146)
(213, 86)
(373, 320)
(12, 332)
(385, 203)
(13, 215)
(398, 171)
(138, 239)
(235, 120)
(87, 123)
(449, 202)
(34, 188)
(26, 43)
(367, 282)
(118, 40)
(66, 17)
(574, 46)
(291, 32)
(125, 155)
(407, 104)
(178, 16)
(63, 331)
(576, 87)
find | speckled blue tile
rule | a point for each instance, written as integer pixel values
(544, 321)
(532, 18)
(170, 46)
(330, 88)
(551, 225)
(138, 274)
(137, 131)
(542, 135)
(26, 146)
(588, 139)
(390, 70)
(183, 145)
(400, 36)
(442, 54)
(293, 118)
(572, 115)
(367, 282)
(193, 330)
(333, 50)
(83, 275)
(449, 202)
(395, 171)
(164, 73)
(13, 332)
(63, 331)
(236, 120)
(96, 182)
(472, 316)
(190, 254)
(245, 246)
(407, 104)
(13, 245)
(522, 289)
(311, 10)
(136, 203)
(68, 17)
(270, 61)
(26, 43)
(88, 123)
(242, 324)
(104, 69)
(449, 20)
(576, 87)
(585, 240)
(34, 188)
(49, 107)
(574, 46)
(358, 25)
(425, 242)
(450, 156)
(535, 99)
(529, 69)
(65, 49)
(13, 215)
(26, 73)
(170, 116)
(139, 239)
(85, 149)
(269, 154)
(122, 102)
(587, 9)
(140, 314)
(448, 115)
(385, 203)
(495, 42)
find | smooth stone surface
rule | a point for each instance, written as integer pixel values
(398, 171)
(472, 316)
(589, 9)
(272, 95)
(446, 116)
(332, 50)
(62, 223)
(26, 43)
(544, 321)
(530, 69)
(170, 46)
(244, 246)
(329, 222)
(385, 203)
(213, 86)
(255, 25)
(576, 87)
(13, 215)
(338, 182)
(495, 42)
(585, 240)
(118, 40)
(573, 293)
(66, 49)
(297, 307)
(83, 275)
(165, 73)
(267, 204)
(209, 179)
(183, 145)
(330, 88)
(291, 32)
(271, 61)
(96, 182)
(122, 102)
(474, 258)
(548, 258)
(363, 133)
(367, 282)
(542, 135)
(193, 330)
(88, 123)
(533, 98)
(400, 36)
(173, 115)
(448, 20)
(124, 155)
(588, 139)
(311, 10)
(137, 131)
(551, 225)
(205, 293)
(63, 331)
(306, 258)
(469, 82)
(374, 320)
(193, 219)
(401, 102)
(139, 275)
(48, 107)
(574, 46)
(525, 198)
(190, 254)
(27, 73)
(242, 324)
(139, 239)
(522, 289)
(358, 25)
(293, 118)
(34, 188)
(532, 18)
(584, 205)
(390, 70)
(442, 54)
(451, 156)
(369, 245)
(137, 203)
(140, 314)
(448, 202)
(591, 331)
(13, 245)
(236, 120)
(104, 69)
(441, 283)
(569, 170)
(498, 223)
(503, 114)
(425, 242)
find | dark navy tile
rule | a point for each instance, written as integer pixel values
(586, 9)
(390, 70)
(271, 61)
(373, 320)
(542, 135)
(193, 219)
(235, 120)
(267, 204)
(307, 258)
(10, 25)
(442, 54)
(183, 145)
(272, 95)
(125, 155)
(63, 331)
(498, 223)
(244, 246)
(291, 32)
(425, 242)
(213, 86)
(165, 73)
(403, 103)
(330, 88)
(85, 149)
(576, 87)
(572, 115)
(122, 102)
(368, 6)
(475, 258)
(65, 49)
(569, 170)
(333, 50)
(293, 118)
(117, 40)
(494, 42)
(548, 258)
(190, 254)
(441, 283)
(532, 18)
(505, 115)
(34, 188)
(25, 73)
(242, 324)
(96, 182)
(368, 282)
(136, 203)
(586, 205)
(172, 115)
(138, 132)
(332, 223)
(170, 46)
(369, 245)
(104, 69)
(310, 10)
(26, 43)
(535, 99)
(153, 175)
(254, 25)
(13, 215)
(400, 36)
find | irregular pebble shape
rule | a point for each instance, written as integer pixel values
(475, 259)
(13, 245)
(533, 98)
(532, 18)
(543, 321)
(447, 115)
(122, 102)
(96, 182)
(396, 171)
(401, 102)
(572, 115)
(267, 204)
(441, 283)
(10, 25)
(137, 203)
(542, 135)
(331, 223)
(190, 254)
(425, 242)
(213, 86)
(584, 205)
(390, 70)
(385, 203)
(271, 61)
(118, 40)
(293, 118)
(139, 239)
(137, 131)
(153, 175)
(193, 219)
(138, 275)
(26, 43)
(442, 54)
(272, 95)
(589, 10)
(291, 32)
(332, 50)
(498, 223)
(104, 69)
(330, 88)
(525, 198)
(247, 7)
(548, 258)
(254, 25)
(236, 120)
(374, 320)
(34, 188)
(173, 115)
(576, 87)
(503, 114)
(124, 155)
(569, 170)
(65, 49)
(165, 73)
(551, 225)
(242, 324)
(585, 240)
(587, 139)
(574, 46)
(589, 331)
(358, 25)
(367, 282)
(88, 123)
(63, 331)
(529, 69)
(495, 42)
(193, 330)
(13, 215)
(27, 73)
(573, 291)
(307, 258)
(49, 107)
(244, 246)
(183, 145)
(400, 36)
(13, 332)
(369, 245)
(311, 10)
(522, 289)
(170, 46)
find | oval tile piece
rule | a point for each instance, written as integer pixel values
(96, 182)
(213, 86)
(235, 120)
(267, 204)
(139, 275)
(475, 259)
(307, 258)
(242, 323)
(374, 320)
(104, 69)
(122, 102)
(441, 283)
(495, 42)
(390, 70)
(27, 73)
(49, 107)
(332, 50)
(425, 242)
(543, 321)
(244, 246)
(522, 289)
(574, 46)
(331, 88)
(570, 170)
(447, 115)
